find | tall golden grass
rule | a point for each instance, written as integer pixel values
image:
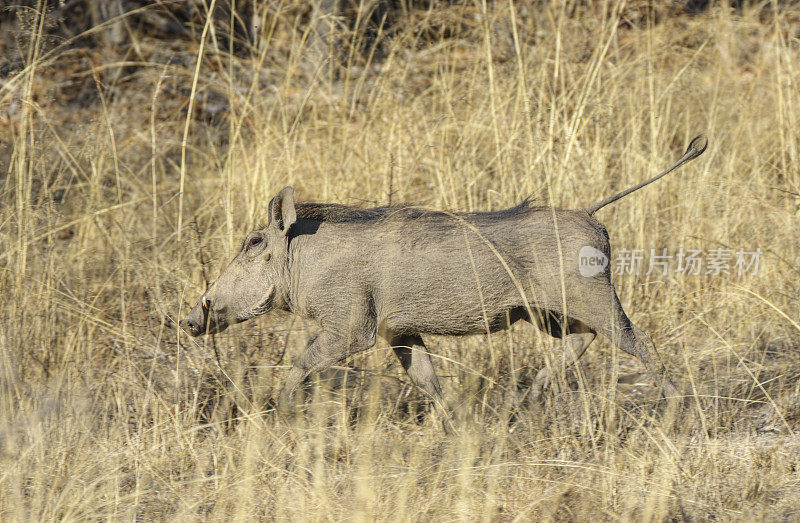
(107, 411)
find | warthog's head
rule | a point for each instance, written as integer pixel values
(256, 281)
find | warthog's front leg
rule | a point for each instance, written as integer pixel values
(417, 362)
(322, 352)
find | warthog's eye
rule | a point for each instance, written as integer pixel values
(254, 241)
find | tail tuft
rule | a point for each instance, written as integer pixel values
(696, 147)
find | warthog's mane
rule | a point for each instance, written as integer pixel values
(341, 213)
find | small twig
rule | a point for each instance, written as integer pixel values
(391, 177)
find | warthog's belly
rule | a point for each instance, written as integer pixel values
(460, 322)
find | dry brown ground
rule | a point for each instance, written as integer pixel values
(107, 411)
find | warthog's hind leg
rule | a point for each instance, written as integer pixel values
(639, 344)
(628, 337)
(576, 339)
(417, 362)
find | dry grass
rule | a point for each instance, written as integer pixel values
(108, 412)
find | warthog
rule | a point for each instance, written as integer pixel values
(401, 272)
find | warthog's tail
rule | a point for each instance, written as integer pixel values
(696, 148)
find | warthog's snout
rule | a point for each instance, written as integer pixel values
(203, 319)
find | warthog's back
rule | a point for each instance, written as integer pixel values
(441, 273)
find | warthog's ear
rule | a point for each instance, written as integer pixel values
(281, 210)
